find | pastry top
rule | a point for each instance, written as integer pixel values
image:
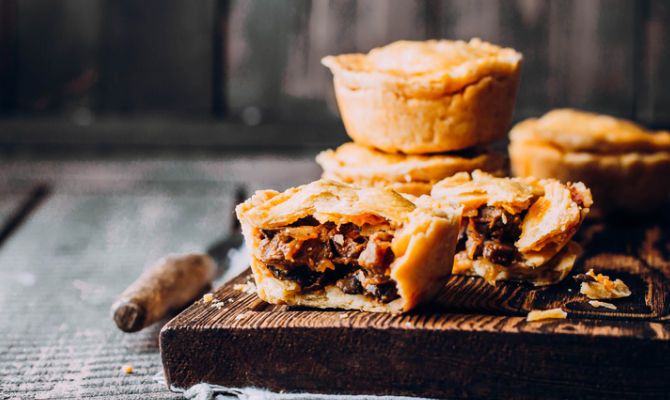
(352, 160)
(423, 240)
(472, 191)
(324, 200)
(553, 211)
(573, 130)
(442, 66)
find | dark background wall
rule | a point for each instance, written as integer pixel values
(246, 73)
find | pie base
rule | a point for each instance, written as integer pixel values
(410, 174)
(379, 117)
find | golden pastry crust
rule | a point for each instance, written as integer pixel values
(427, 97)
(578, 131)
(423, 242)
(412, 174)
(515, 228)
(625, 165)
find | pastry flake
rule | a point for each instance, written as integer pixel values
(515, 228)
(602, 304)
(599, 286)
(330, 245)
(427, 97)
(625, 165)
(413, 174)
(540, 315)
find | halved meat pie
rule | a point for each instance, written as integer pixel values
(515, 228)
(330, 245)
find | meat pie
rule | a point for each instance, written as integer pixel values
(514, 228)
(330, 245)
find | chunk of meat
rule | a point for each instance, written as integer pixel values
(377, 255)
(355, 260)
(491, 234)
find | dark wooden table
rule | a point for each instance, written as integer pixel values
(75, 233)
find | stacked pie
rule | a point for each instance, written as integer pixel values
(419, 112)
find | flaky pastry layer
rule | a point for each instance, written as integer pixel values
(412, 174)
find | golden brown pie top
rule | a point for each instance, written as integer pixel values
(326, 201)
(434, 65)
(573, 130)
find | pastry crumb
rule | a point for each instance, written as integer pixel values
(248, 287)
(128, 369)
(207, 298)
(218, 304)
(599, 286)
(408, 324)
(553, 313)
(343, 316)
(596, 304)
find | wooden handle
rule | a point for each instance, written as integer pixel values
(169, 285)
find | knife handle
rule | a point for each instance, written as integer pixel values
(169, 285)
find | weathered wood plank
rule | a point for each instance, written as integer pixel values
(126, 174)
(17, 203)
(65, 266)
(8, 56)
(299, 88)
(9, 203)
(565, 45)
(592, 58)
(146, 134)
(524, 27)
(155, 57)
(653, 98)
(60, 76)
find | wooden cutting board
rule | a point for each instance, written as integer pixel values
(473, 341)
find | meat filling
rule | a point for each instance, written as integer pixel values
(491, 234)
(355, 259)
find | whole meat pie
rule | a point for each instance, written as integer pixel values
(427, 97)
(515, 228)
(330, 245)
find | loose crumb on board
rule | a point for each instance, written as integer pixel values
(596, 304)
(408, 324)
(128, 369)
(599, 286)
(248, 287)
(218, 304)
(539, 315)
(207, 298)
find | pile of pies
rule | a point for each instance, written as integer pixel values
(419, 194)
(419, 112)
